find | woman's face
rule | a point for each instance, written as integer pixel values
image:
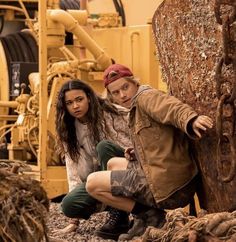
(77, 104)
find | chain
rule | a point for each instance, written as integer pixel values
(225, 113)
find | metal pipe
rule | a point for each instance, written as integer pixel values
(11, 8)
(9, 104)
(43, 98)
(28, 20)
(9, 117)
(6, 132)
(71, 25)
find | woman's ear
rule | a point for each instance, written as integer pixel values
(88, 97)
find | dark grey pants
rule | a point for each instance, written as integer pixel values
(78, 203)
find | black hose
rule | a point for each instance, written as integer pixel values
(1, 23)
(120, 9)
(69, 4)
(122, 13)
(117, 7)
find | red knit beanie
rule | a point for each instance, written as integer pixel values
(114, 72)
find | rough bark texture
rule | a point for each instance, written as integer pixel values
(189, 45)
(23, 206)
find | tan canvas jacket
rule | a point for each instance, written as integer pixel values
(158, 124)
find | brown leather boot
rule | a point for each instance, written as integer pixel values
(116, 224)
(153, 217)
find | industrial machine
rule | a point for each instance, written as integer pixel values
(42, 45)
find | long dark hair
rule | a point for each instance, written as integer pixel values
(66, 132)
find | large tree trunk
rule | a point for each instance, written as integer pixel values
(189, 46)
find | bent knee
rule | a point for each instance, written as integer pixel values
(112, 164)
(92, 180)
(117, 163)
(67, 205)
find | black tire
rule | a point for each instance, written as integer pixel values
(14, 45)
(32, 45)
(24, 47)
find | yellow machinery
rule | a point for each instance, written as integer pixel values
(27, 119)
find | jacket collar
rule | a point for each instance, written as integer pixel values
(141, 89)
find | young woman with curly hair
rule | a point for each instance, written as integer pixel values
(83, 119)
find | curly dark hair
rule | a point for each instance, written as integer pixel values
(66, 133)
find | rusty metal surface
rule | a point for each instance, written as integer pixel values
(190, 45)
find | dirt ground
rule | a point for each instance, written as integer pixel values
(84, 232)
(180, 227)
(27, 216)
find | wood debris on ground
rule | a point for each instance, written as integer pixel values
(23, 206)
(27, 216)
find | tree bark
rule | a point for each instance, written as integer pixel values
(189, 46)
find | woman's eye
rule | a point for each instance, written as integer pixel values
(68, 103)
(78, 99)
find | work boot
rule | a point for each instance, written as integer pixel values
(153, 217)
(137, 229)
(116, 224)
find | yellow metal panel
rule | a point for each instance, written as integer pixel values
(56, 182)
(132, 46)
(95, 80)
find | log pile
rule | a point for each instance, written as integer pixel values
(23, 206)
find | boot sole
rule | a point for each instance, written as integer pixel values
(107, 235)
(113, 236)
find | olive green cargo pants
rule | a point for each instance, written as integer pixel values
(78, 203)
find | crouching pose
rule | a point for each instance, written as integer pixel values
(83, 119)
(160, 173)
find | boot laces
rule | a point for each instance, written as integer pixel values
(114, 216)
